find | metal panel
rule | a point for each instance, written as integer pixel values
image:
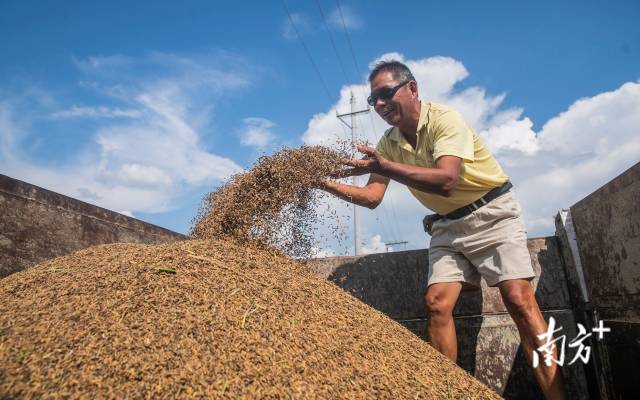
(395, 283)
(489, 349)
(607, 226)
(37, 224)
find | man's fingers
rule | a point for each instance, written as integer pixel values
(355, 163)
(343, 173)
(347, 172)
(339, 174)
(366, 150)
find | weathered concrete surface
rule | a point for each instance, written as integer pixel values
(488, 340)
(37, 224)
(607, 227)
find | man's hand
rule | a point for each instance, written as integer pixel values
(372, 162)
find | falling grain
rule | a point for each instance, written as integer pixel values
(274, 203)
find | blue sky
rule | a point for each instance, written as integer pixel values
(143, 107)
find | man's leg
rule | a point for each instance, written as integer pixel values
(521, 303)
(441, 331)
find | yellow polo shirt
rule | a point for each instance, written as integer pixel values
(443, 132)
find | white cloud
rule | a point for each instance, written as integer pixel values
(146, 150)
(88, 195)
(9, 133)
(96, 112)
(104, 62)
(375, 245)
(437, 78)
(137, 175)
(256, 132)
(581, 149)
(573, 154)
(298, 22)
(322, 253)
(348, 16)
(512, 134)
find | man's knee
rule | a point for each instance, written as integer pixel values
(440, 303)
(520, 300)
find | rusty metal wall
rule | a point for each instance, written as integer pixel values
(37, 224)
(607, 234)
(488, 340)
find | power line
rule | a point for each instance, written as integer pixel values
(306, 49)
(333, 44)
(344, 25)
(355, 62)
(394, 219)
(385, 229)
(394, 230)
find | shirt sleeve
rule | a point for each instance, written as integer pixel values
(452, 137)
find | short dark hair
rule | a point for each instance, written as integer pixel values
(398, 70)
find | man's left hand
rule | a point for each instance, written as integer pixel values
(372, 161)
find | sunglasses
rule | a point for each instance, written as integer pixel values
(384, 94)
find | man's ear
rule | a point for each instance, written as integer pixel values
(413, 86)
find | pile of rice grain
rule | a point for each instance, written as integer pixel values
(274, 203)
(205, 319)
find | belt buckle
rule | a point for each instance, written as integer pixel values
(476, 206)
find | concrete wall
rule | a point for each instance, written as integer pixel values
(604, 229)
(488, 340)
(37, 224)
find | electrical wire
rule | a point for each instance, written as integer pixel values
(333, 44)
(386, 231)
(344, 25)
(355, 63)
(306, 49)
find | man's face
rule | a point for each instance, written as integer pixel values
(394, 109)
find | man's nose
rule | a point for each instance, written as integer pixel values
(380, 102)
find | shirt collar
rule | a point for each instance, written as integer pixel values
(424, 115)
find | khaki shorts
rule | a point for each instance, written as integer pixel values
(490, 242)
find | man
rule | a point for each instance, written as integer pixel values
(477, 230)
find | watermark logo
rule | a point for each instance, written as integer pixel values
(583, 352)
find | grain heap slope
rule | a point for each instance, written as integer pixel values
(206, 319)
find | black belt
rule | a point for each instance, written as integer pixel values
(468, 209)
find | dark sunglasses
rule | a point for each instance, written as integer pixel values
(384, 94)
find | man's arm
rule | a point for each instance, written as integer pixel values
(368, 196)
(439, 180)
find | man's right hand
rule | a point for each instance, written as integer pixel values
(347, 172)
(368, 196)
